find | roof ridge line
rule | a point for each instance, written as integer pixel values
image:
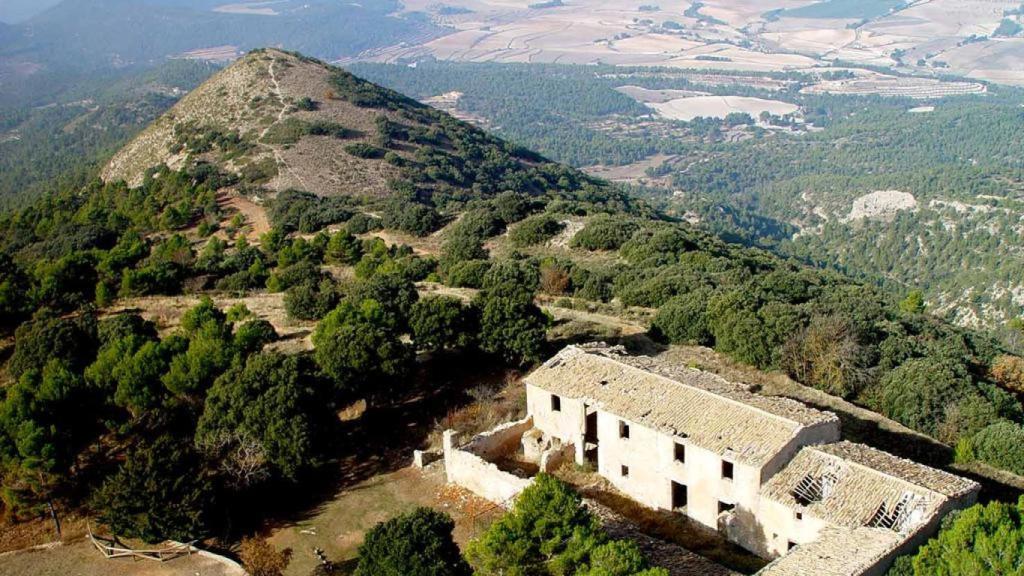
(799, 425)
(889, 474)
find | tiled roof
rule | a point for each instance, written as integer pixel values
(907, 470)
(836, 552)
(711, 412)
(854, 482)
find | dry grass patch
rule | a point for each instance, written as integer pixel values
(166, 312)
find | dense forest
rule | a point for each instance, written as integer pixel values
(44, 147)
(961, 162)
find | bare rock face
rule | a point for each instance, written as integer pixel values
(881, 205)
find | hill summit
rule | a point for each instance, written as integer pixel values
(275, 121)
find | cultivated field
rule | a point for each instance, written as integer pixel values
(886, 85)
(720, 107)
(249, 8)
(925, 37)
(225, 53)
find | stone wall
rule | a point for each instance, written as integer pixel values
(469, 465)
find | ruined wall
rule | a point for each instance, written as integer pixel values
(823, 433)
(553, 458)
(500, 441)
(467, 467)
(776, 526)
(567, 424)
(918, 538)
(766, 527)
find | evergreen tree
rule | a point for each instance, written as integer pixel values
(418, 543)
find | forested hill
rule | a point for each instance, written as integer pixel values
(278, 121)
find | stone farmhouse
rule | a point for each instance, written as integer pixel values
(771, 474)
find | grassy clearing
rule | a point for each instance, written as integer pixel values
(337, 527)
(368, 479)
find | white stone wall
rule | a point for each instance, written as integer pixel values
(778, 526)
(823, 433)
(500, 441)
(650, 457)
(567, 425)
(767, 527)
(471, 471)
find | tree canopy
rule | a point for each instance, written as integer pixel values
(418, 543)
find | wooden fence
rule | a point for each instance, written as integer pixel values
(114, 548)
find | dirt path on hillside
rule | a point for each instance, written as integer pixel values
(279, 93)
(256, 219)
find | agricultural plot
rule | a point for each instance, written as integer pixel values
(922, 38)
(687, 109)
(855, 9)
(885, 85)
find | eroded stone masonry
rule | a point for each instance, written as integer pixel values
(770, 474)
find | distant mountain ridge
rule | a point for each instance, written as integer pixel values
(103, 33)
(15, 11)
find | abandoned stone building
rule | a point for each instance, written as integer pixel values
(769, 473)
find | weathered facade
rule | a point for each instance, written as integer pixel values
(769, 473)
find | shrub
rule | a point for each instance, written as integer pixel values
(268, 406)
(1001, 445)
(511, 207)
(467, 274)
(827, 356)
(545, 518)
(344, 248)
(365, 151)
(287, 131)
(683, 319)
(535, 230)
(440, 322)
(306, 212)
(363, 223)
(260, 558)
(415, 544)
(548, 532)
(511, 325)
(918, 392)
(307, 104)
(481, 223)
(332, 129)
(259, 172)
(1008, 372)
(411, 217)
(158, 493)
(982, 540)
(604, 232)
(554, 278)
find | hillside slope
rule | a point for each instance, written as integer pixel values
(275, 121)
